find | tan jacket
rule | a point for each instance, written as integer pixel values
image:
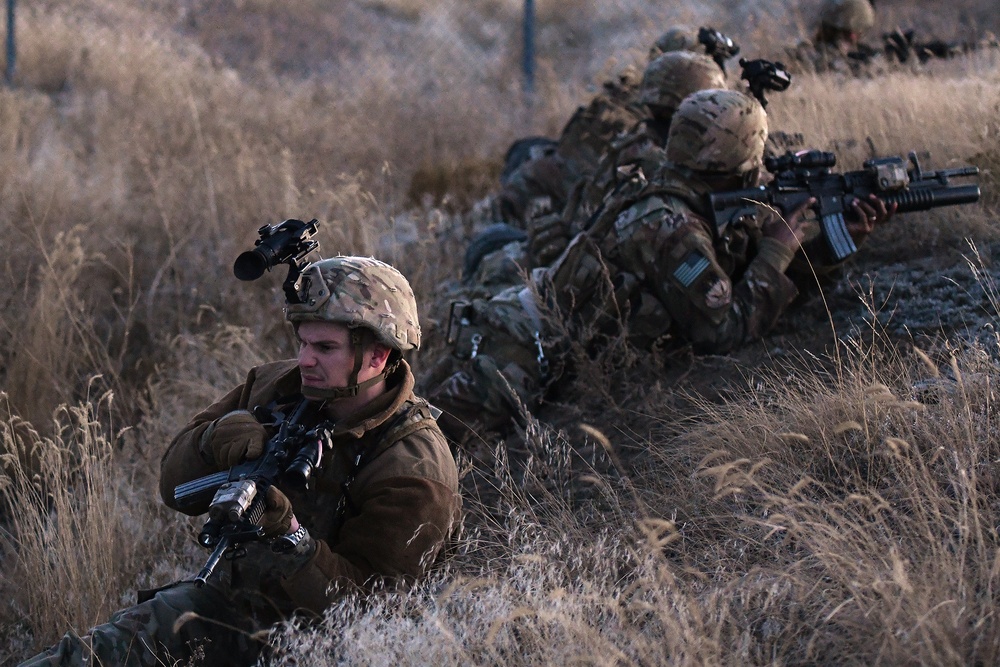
(402, 505)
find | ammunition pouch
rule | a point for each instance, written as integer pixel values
(508, 329)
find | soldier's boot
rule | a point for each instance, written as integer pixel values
(182, 623)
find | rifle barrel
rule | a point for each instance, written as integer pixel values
(213, 560)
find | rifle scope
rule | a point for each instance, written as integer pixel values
(802, 160)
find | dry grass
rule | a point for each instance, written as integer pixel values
(823, 521)
(79, 524)
(824, 516)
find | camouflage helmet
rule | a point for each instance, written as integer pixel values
(855, 16)
(678, 38)
(718, 132)
(673, 76)
(359, 292)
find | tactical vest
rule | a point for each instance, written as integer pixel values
(589, 132)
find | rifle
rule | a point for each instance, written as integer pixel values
(800, 176)
(902, 44)
(236, 496)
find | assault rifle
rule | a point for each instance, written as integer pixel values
(236, 496)
(801, 176)
(902, 46)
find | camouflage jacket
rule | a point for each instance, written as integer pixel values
(652, 262)
(400, 507)
(590, 131)
(586, 137)
(642, 148)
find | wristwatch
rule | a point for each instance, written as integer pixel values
(293, 551)
(290, 542)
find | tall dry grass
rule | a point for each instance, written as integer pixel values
(820, 520)
(144, 143)
(79, 525)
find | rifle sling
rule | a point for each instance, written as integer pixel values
(391, 431)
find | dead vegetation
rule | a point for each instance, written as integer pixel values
(838, 510)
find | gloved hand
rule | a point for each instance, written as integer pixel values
(548, 236)
(234, 438)
(277, 517)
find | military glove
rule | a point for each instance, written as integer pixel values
(277, 517)
(548, 236)
(233, 438)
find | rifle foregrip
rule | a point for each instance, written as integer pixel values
(256, 509)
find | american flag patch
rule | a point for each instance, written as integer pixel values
(693, 266)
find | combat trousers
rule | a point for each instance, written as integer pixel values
(181, 623)
(503, 360)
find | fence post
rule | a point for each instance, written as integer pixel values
(528, 63)
(8, 74)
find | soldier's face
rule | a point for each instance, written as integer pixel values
(326, 356)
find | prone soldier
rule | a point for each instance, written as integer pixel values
(651, 265)
(837, 45)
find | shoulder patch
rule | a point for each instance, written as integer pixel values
(693, 266)
(719, 295)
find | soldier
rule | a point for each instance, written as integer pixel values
(651, 266)
(842, 23)
(384, 500)
(837, 45)
(667, 80)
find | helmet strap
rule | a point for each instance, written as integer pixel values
(353, 387)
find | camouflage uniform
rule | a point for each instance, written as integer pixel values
(583, 141)
(651, 266)
(667, 80)
(380, 507)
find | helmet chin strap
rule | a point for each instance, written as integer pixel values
(353, 387)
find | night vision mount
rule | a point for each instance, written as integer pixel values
(762, 75)
(718, 46)
(285, 243)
